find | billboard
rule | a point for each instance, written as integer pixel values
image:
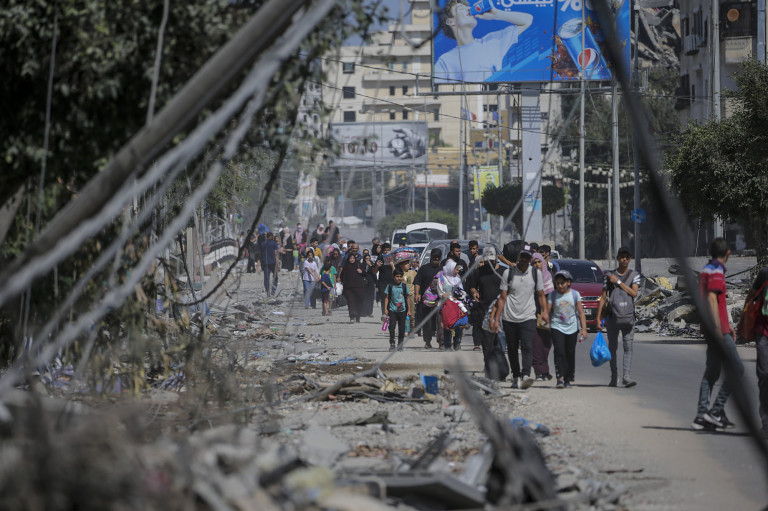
(523, 40)
(379, 144)
(485, 177)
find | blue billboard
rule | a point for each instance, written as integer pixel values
(523, 40)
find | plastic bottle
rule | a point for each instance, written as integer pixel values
(385, 325)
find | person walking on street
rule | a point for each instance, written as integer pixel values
(542, 341)
(485, 286)
(409, 277)
(269, 255)
(354, 287)
(309, 275)
(474, 250)
(286, 249)
(761, 342)
(383, 270)
(449, 285)
(422, 284)
(327, 286)
(396, 304)
(566, 313)
(369, 283)
(617, 301)
(521, 285)
(254, 253)
(713, 290)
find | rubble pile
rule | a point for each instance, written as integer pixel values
(664, 305)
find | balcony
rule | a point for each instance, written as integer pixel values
(691, 44)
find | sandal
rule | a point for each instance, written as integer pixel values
(476, 348)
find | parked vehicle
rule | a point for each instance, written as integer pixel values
(419, 235)
(444, 246)
(588, 280)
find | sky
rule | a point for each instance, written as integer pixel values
(393, 7)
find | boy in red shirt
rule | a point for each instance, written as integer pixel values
(712, 285)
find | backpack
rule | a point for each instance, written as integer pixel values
(430, 299)
(621, 306)
(454, 313)
(752, 311)
(404, 289)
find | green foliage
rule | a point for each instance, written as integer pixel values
(501, 200)
(721, 167)
(387, 225)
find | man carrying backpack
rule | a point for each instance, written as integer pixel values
(521, 285)
(617, 302)
(759, 287)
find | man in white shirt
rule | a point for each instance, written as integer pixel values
(475, 60)
(516, 311)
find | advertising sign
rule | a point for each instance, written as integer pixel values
(485, 177)
(523, 40)
(379, 144)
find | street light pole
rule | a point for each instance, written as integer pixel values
(635, 156)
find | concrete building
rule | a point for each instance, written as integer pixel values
(700, 89)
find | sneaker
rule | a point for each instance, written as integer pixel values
(527, 382)
(477, 348)
(719, 419)
(560, 384)
(628, 382)
(392, 347)
(567, 384)
(399, 347)
(699, 424)
(541, 377)
(515, 383)
(613, 383)
(457, 346)
(548, 376)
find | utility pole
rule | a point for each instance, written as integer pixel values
(715, 42)
(426, 195)
(610, 223)
(501, 168)
(761, 31)
(616, 213)
(461, 169)
(635, 156)
(582, 249)
(582, 245)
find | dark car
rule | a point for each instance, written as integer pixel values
(588, 280)
(444, 245)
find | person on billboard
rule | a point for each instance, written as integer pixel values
(474, 60)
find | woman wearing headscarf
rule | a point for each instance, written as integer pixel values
(300, 238)
(286, 246)
(369, 284)
(354, 287)
(542, 341)
(449, 282)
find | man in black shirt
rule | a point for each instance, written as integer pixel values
(421, 284)
(474, 249)
(456, 254)
(484, 287)
(383, 270)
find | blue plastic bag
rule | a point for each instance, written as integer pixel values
(599, 353)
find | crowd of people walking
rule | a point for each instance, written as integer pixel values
(515, 301)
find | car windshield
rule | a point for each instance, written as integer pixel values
(418, 237)
(583, 271)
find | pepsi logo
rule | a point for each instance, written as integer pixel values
(587, 57)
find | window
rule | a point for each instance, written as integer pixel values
(348, 68)
(391, 116)
(349, 116)
(405, 90)
(693, 93)
(405, 66)
(392, 90)
(391, 66)
(436, 114)
(490, 108)
(405, 115)
(348, 92)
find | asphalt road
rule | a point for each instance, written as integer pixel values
(644, 431)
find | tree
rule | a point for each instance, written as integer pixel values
(500, 200)
(721, 167)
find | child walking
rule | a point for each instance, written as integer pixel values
(398, 307)
(326, 281)
(565, 313)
